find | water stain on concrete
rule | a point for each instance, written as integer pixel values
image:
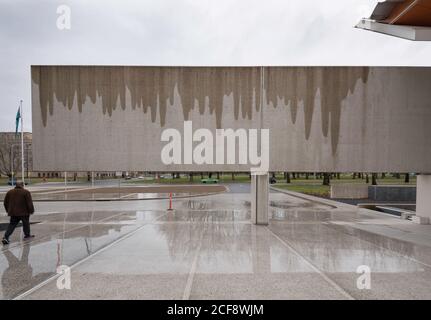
(204, 88)
(151, 88)
(302, 85)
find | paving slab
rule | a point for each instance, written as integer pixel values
(208, 249)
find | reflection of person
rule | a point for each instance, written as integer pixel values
(18, 273)
(19, 206)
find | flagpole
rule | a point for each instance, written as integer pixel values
(22, 143)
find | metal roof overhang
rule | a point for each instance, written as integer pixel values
(408, 19)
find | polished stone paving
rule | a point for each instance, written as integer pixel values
(208, 249)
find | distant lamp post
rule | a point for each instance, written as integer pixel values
(12, 159)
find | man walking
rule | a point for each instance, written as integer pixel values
(19, 206)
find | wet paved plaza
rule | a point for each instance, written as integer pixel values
(208, 249)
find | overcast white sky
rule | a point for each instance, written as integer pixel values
(188, 32)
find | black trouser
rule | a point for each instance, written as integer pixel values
(14, 222)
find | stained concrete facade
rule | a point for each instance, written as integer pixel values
(343, 119)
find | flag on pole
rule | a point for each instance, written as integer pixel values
(18, 117)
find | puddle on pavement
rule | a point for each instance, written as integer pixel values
(301, 215)
(4, 225)
(289, 205)
(198, 204)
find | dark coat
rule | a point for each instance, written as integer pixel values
(18, 202)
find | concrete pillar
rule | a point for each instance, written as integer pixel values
(259, 198)
(423, 199)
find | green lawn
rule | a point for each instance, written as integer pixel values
(313, 186)
(311, 189)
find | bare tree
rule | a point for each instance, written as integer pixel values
(9, 141)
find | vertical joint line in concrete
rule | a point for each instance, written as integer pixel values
(312, 266)
(255, 195)
(189, 283)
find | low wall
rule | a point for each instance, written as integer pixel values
(392, 193)
(349, 191)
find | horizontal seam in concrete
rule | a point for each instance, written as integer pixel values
(63, 191)
(127, 195)
(189, 283)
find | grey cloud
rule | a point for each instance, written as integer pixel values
(187, 32)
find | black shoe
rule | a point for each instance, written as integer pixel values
(5, 241)
(28, 237)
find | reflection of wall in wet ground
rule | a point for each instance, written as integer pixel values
(61, 239)
(18, 273)
(321, 118)
(223, 247)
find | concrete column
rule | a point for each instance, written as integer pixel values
(259, 198)
(423, 199)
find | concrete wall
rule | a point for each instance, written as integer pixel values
(392, 193)
(259, 199)
(320, 118)
(349, 191)
(423, 201)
